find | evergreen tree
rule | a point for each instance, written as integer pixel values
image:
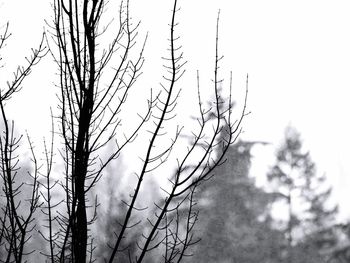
(308, 228)
(234, 223)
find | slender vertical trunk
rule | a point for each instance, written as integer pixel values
(82, 147)
(80, 172)
(80, 222)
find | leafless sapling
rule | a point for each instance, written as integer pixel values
(95, 80)
(19, 188)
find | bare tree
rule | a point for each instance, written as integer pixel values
(19, 186)
(95, 80)
(94, 86)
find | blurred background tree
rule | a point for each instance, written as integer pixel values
(308, 227)
(234, 222)
(291, 219)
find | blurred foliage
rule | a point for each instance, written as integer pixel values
(309, 227)
(239, 223)
(235, 225)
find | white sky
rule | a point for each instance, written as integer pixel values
(297, 54)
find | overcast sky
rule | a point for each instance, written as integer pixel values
(297, 55)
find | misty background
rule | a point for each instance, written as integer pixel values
(297, 55)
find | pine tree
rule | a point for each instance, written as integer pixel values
(234, 223)
(308, 228)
